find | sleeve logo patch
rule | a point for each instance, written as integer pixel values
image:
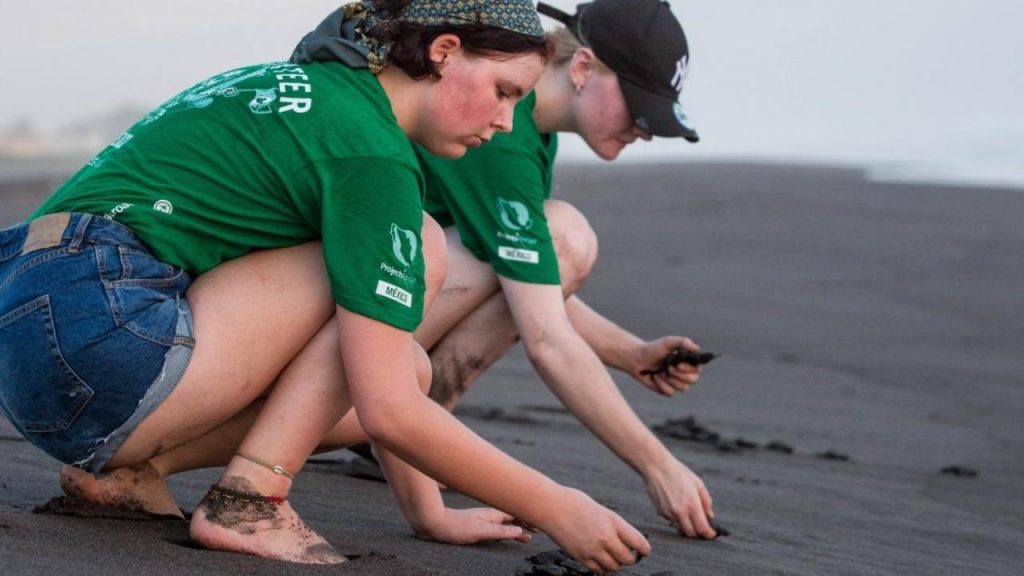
(514, 215)
(395, 293)
(404, 245)
(519, 254)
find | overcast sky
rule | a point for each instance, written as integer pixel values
(868, 78)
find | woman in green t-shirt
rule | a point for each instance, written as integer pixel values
(290, 192)
(516, 257)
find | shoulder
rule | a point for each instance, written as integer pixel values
(348, 111)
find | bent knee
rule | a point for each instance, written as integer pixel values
(575, 243)
(435, 255)
(424, 372)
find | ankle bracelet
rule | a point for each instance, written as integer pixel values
(272, 467)
(229, 494)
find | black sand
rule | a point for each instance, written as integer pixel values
(878, 322)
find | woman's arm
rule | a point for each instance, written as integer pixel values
(575, 374)
(379, 366)
(621, 349)
(421, 503)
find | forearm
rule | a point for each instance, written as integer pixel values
(380, 368)
(431, 439)
(575, 374)
(613, 344)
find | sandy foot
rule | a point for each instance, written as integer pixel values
(138, 488)
(234, 518)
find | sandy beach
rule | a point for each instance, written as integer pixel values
(876, 330)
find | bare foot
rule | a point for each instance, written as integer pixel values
(234, 518)
(137, 488)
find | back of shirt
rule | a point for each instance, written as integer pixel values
(269, 156)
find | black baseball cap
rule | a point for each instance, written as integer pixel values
(644, 45)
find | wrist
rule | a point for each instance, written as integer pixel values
(627, 355)
(544, 503)
(424, 515)
(427, 524)
(654, 463)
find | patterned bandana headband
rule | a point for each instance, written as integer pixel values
(514, 15)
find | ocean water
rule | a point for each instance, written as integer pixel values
(911, 90)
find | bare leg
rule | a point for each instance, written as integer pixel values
(253, 316)
(467, 284)
(469, 349)
(143, 487)
(313, 386)
(246, 335)
(259, 319)
(225, 521)
(305, 377)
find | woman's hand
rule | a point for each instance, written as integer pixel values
(594, 535)
(647, 359)
(680, 496)
(473, 525)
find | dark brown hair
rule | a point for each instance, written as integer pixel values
(411, 48)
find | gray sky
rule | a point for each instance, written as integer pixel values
(871, 79)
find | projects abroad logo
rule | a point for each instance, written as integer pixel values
(404, 244)
(404, 247)
(514, 215)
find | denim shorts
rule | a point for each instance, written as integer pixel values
(95, 332)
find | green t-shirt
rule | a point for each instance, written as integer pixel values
(495, 196)
(269, 156)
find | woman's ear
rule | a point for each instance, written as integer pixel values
(580, 67)
(442, 47)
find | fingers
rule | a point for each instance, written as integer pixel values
(701, 526)
(624, 548)
(706, 502)
(628, 548)
(694, 524)
(632, 538)
(611, 559)
(606, 562)
(503, 532)
(500, 530)
(678, 378)
(510, 532)
(524, 537)
(689, 345)
(506, 526)
(496, 516)
(685, 526)
(473, 525)
(661, 385)
(684, 372)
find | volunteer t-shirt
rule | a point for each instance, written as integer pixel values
(269, 156)
(495, 196)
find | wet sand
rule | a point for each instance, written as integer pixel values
(873, 329)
